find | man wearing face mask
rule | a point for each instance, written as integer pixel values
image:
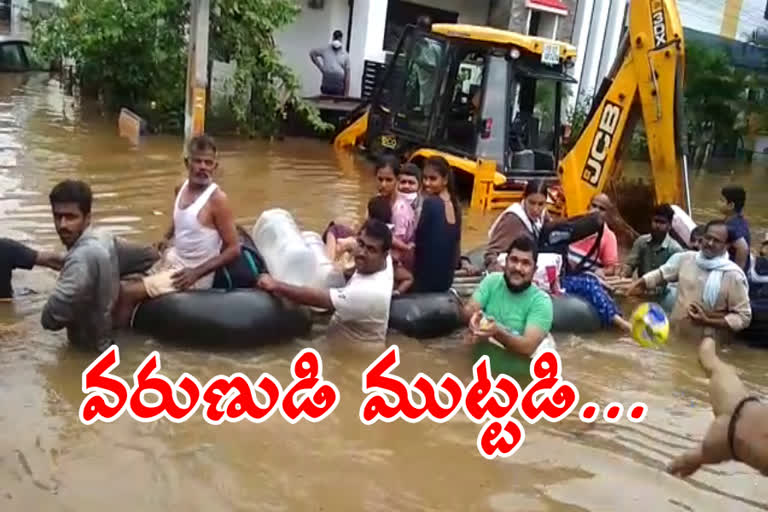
(508, 311)
(333, 63)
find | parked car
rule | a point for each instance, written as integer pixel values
(17, 56)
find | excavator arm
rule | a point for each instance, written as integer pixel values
(646, 80)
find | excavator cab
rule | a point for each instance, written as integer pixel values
(472, 94)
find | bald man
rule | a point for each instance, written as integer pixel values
(603, 260)
(590, 263)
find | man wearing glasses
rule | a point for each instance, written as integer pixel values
(713, 294)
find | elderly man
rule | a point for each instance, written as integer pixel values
(203, 234)
(508, 311)
(713, 293)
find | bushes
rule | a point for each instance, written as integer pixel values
(133, 53)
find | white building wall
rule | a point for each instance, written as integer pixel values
(707, 16)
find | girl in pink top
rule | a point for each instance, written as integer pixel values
(403, 216)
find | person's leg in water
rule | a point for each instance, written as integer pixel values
(403, 279)
(159, 281)
(132, 293)
(589, 288)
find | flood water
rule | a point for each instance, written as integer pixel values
(50, 461)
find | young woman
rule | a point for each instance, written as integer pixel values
(404, 223)
(438, 234)
(387, 170)
(528, 216)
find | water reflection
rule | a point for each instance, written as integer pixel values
(49, 461)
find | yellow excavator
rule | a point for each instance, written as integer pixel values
(489, 102)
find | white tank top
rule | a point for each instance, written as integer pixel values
(195, 244)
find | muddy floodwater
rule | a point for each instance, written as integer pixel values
(50, 461)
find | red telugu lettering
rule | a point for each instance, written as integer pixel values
(99, 383)
(492, 440)
(481, 403)
(245, 399)
(376, 378)
(147, 380)
(243, 403)
(379, 384)
(434, 408)
(215, 392)
(320, 397)
(560, 397)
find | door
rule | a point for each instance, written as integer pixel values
(459, 115)
(419, 93)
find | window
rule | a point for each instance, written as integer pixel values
(460, 114)
(421, 86)
(11, 57)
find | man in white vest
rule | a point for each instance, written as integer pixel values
(203, 236)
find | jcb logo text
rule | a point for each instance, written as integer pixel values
(601, 145)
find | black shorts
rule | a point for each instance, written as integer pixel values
(13, 255)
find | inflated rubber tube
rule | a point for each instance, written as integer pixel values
(433, 315)
(425, 315)
(573, 315)
(756, 335)
(246, 318)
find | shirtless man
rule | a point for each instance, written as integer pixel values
(203, 237)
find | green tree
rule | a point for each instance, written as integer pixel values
(132, 53)
(714, 93)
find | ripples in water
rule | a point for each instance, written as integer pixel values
(50, 461)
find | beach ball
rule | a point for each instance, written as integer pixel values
(650, 325)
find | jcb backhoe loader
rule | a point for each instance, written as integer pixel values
(489, 102)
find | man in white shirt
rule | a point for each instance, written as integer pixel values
(361, 308)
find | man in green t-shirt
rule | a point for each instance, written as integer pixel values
(509, 311)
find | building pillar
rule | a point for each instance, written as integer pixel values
(594, 48)
(731, 15)
(369, 19)
(581, 23)
(612, 36)
(197, 69)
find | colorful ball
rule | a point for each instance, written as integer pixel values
(650, 325)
